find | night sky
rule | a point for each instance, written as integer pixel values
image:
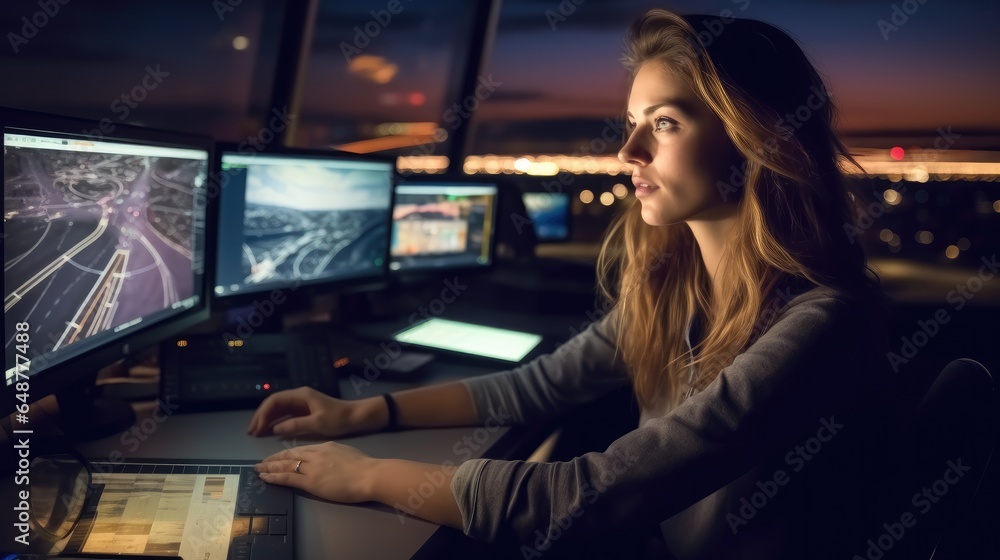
(937, 70)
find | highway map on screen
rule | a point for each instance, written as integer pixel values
(94, 240)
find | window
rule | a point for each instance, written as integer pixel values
(562, 82)
(189, 65)
(382, 75)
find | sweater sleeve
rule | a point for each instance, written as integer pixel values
(794, 377)
(582, 369)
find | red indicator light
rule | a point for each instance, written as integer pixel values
(267, 386)
(897, 153)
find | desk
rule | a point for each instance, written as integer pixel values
(325, 529)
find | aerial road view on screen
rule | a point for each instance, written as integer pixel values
(303, 222)
(94, 240)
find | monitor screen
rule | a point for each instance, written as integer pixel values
(549, 213)
(103, 239)
(443, 225)
(289, 219)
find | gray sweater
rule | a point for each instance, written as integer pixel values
(777, 457)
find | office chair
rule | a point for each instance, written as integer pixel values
(953, 431)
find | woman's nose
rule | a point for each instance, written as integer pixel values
(633, 152)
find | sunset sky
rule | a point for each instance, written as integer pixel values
(938, 69)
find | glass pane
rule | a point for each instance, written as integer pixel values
(185, 65)
(561, 75)
(381, 75)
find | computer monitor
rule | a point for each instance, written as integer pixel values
(104, 248)
(549, 213)
(443, 225)
(300, 218)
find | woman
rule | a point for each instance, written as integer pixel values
(744, 317)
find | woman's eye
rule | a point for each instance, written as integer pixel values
(663, 124)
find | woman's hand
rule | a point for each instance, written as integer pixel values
(306, 411)
(341, 473)
(329, 470)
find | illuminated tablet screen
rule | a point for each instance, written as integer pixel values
(489, 342)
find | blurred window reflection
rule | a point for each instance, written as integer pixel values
(181, 65)
(382, 75)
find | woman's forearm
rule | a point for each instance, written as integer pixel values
(419, 489)
(411, 488)
(434, 406)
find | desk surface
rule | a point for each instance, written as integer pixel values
(326, 529)
(322, 528)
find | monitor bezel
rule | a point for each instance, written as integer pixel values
(447, 180)
(70, 371)
(305, 291)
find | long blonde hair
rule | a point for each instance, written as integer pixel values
(792, 210)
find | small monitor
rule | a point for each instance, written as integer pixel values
(301, 218)
(104, 248)
(549, 213)
(443, 225)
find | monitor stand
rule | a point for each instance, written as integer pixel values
(86, 416)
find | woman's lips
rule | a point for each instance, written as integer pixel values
(643, 187)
